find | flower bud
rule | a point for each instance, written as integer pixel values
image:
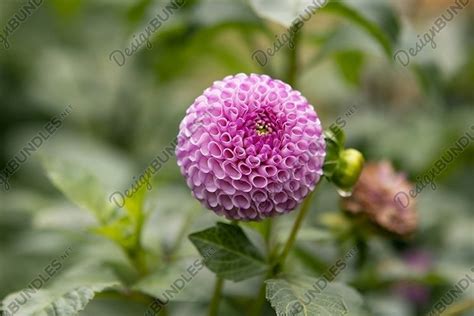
(373, 196)
(348, 170)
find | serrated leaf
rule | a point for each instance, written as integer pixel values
(302, 297)
(68, 304)
(80, 186)
(377, 18)
(235, 257)
(67, 295)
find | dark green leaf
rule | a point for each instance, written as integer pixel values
(235, 257)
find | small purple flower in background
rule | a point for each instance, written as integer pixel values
(416, 293)
(258, 151)
(419, 261)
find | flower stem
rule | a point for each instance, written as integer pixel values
(292, 70)
(214, 307)
(267, 235)
(289, 244)
(256, 310)
(137, 257)
(296, 226)
(260, 301)
(363, 250)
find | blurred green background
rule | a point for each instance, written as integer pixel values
(124, 116)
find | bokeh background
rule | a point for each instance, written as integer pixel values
(122, 117)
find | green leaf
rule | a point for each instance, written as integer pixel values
(122, 231)
(350, 64)
(134, 205)
(302, 296)
(336, 135)
(67, 296)
(80, 186)
(235, 257)
(377, 18)
(335, 139)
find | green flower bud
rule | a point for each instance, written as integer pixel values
(348, 170)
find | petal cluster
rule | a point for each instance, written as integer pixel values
(250, 147)
(374, 194)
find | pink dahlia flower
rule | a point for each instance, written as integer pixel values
(250, 147)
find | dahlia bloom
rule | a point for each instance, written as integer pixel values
(373, 195)
(250, 147)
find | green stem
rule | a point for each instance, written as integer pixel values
(363, 251)
(214, 307)
(136, 253)
(138, 257)
(292, 70)
(257, 308)
(268, 233)
(276, 266)
(296, 226)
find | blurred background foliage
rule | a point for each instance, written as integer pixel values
(123, 116)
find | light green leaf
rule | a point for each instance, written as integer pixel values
(302, 297)
(80, 186)
(134, 205)
(122, 231)
(377, 18)
(67, 296)
(235, 257)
